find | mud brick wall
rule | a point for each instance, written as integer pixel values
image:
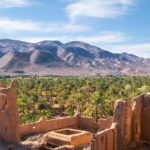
(44, 126)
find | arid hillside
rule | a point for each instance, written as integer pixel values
(69, 59)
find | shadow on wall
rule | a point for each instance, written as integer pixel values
(130, 127)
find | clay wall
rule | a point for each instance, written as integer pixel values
(105, 140)
(119, 134)
(9, 117)
(123, 118)
(141, 118)
(87, 123)
(105, 123)
(44, 126)
(145, 115)
(136, 118)
(80, 122)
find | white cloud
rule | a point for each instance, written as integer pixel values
(14, 3)
(8, 25)
(98, 8)
(141, 50)
(103, 37)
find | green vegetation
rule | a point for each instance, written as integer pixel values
(91, 96)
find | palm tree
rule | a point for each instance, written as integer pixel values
(97, 102)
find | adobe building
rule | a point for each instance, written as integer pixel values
(128, 129)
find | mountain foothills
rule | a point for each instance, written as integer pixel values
(69, 59)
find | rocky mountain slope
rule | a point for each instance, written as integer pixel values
(70, 59)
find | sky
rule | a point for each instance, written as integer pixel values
(114, 25)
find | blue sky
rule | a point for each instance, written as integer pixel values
(114, 25)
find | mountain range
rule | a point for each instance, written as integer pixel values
(70, 59)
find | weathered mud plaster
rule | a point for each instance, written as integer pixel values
(126, 130)
(9, 117)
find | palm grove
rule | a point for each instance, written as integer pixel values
(90, 96)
